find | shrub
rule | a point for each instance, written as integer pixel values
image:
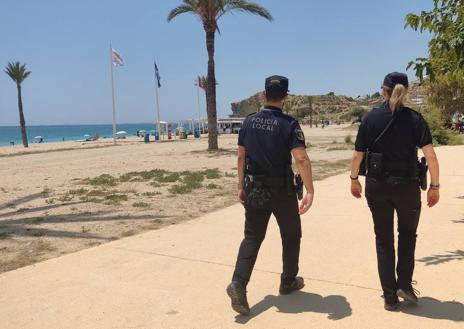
(356, 114)
(169, 178)
(115, 199)
(440, 135)
(348, 139)
(212, 173)
(180, 189)
(213, 187)
(80, 191)
(151, 193)
(102, 180)
(140, 205)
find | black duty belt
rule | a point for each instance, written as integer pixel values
(268, 181)
(393, 166)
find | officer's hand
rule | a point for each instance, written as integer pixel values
(306, 203)
(356, 188)
(241, 195)
(433, 196)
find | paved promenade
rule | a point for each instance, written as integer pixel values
(176, 277)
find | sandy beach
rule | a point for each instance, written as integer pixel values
(57, 198)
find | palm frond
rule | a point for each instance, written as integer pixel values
(189, 6)
(244, 6)
(17, 72)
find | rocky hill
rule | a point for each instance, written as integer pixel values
(336, 108)
(329, 107)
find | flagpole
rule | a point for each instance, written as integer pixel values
(112, 93)
(157, 105)
(199, 110)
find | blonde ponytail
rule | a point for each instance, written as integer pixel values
(397, 97)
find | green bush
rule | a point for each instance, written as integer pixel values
(354, 114)
(212, 173)
(440, 134)
(102, 180)
(140, 205)
(348, 139)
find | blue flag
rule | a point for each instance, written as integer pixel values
(157, 75)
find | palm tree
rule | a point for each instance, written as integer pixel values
(310, 108)
(18, 74)
(209, 12)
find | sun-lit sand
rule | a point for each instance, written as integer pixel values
(48, 207)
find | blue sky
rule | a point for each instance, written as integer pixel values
(322, 46)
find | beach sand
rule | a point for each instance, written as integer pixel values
(54, 199)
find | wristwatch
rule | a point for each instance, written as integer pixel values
(434, 187)
(354, 178)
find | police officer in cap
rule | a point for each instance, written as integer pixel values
(266, 143)
(389, 137)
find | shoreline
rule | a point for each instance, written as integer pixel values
(58, 146)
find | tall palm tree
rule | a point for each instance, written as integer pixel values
(18, 74)
(209, 12)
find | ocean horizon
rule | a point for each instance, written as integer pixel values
(58, 133)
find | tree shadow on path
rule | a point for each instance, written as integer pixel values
(443, 258)
(21, 200)
(336, 307)
(434, 309)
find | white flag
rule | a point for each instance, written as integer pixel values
(116, 58)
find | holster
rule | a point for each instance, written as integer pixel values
(422, 169)
(258, 195)
(299, 186)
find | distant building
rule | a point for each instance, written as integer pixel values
(229, 126)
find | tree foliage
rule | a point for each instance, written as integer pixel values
(436, 122)
(444, 67)
(17, 72)
(446, 24)
(209, 12)
(355, 114)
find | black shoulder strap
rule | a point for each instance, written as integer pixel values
(387, 127)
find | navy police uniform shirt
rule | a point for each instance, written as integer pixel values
(408, 132)
(268, 137)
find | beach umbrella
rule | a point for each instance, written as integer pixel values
(38, 137)
(87, 135)
(122, 132)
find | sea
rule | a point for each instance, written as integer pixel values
(60, 133)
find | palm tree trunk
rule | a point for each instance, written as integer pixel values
(22, 122)
(211, 94)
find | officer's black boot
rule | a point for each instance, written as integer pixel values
(408, 293)
(391, 301)
(238, 297)
(296, 284)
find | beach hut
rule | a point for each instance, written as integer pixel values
(230, 126)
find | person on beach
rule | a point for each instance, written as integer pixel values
(389, 137)
(266, 143)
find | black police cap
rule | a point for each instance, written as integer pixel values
(395, 78)
(276, 85)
